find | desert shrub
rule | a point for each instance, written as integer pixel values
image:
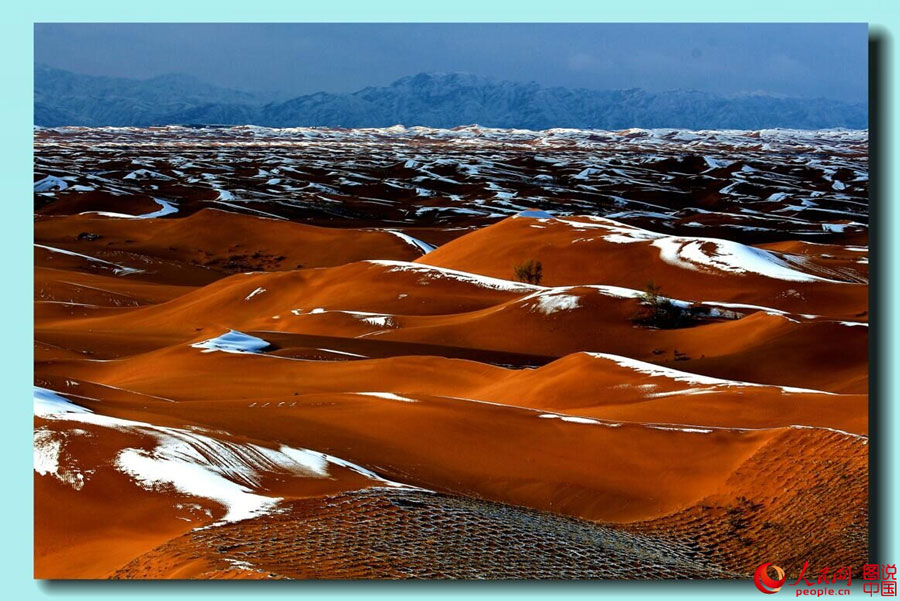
(529, 271)
(655, 310)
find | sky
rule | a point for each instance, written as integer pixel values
(802, 60)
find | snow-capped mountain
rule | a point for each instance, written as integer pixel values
(66, 98)
(436, 100)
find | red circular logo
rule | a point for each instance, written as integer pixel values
(764, 582)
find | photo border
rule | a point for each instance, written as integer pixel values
(17, 166)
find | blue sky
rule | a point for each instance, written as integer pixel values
(804, 60)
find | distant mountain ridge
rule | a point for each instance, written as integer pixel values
(66, 98)
(429, 99)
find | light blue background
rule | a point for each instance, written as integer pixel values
(15, 296)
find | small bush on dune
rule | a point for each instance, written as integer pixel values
(529, 271)
(655, 310)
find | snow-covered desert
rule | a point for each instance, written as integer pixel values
(449, 353)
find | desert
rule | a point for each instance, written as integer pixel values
(414, 352)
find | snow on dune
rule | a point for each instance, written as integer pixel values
(618, 291)
(681, 429)
(48, 445)
(611, 230)
(579, 420)
(653, 370)
(259, 290)
(48, 403)
(232, 342)
(166, 209)
(190, 462)
(691, 428)
(423, 246)
(388, 395)
(50, 183)
(610, 424)
(552, 301)
(47, 449)
(714, 163)
(534, 214)
(841, 227)
(328, 350)
(561, 298)
(381, 320)
(728, 256)
(698, 254)
(116, 268)
(762, 308)
(146, 174)
(431, 272)
(222, 471)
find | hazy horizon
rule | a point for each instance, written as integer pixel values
(796, 60)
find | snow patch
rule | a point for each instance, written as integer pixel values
(232, 342)
(146, 174)
(380, 321)
(328, 350)
(680, 429)
(167, 209)
(436, 273)
(116, 269)
(534, 213)
(655, 371)
(48, 447)
(423, 246)
(578, 420)
(259, 290)
(728, 256)
(50, 183)
(48, 404)
(194, 463)
(554, 301)
(388, 395)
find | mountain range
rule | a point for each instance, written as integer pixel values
(428, 99)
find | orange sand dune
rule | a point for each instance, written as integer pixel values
(220, 395)
(99, 200)
(148, 513)
(366, 286)
(529, 461)
(202, 247)
(616, 388)
(75, 543)
(581, 385)
(68, 286)
(837, 257)
(581, 250)
(816, 354)
(467, 451)
(769, 509)
(360, 300)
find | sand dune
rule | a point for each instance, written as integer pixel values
(306, 353)
(590, 250)
(447, 308)
(205, 246)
